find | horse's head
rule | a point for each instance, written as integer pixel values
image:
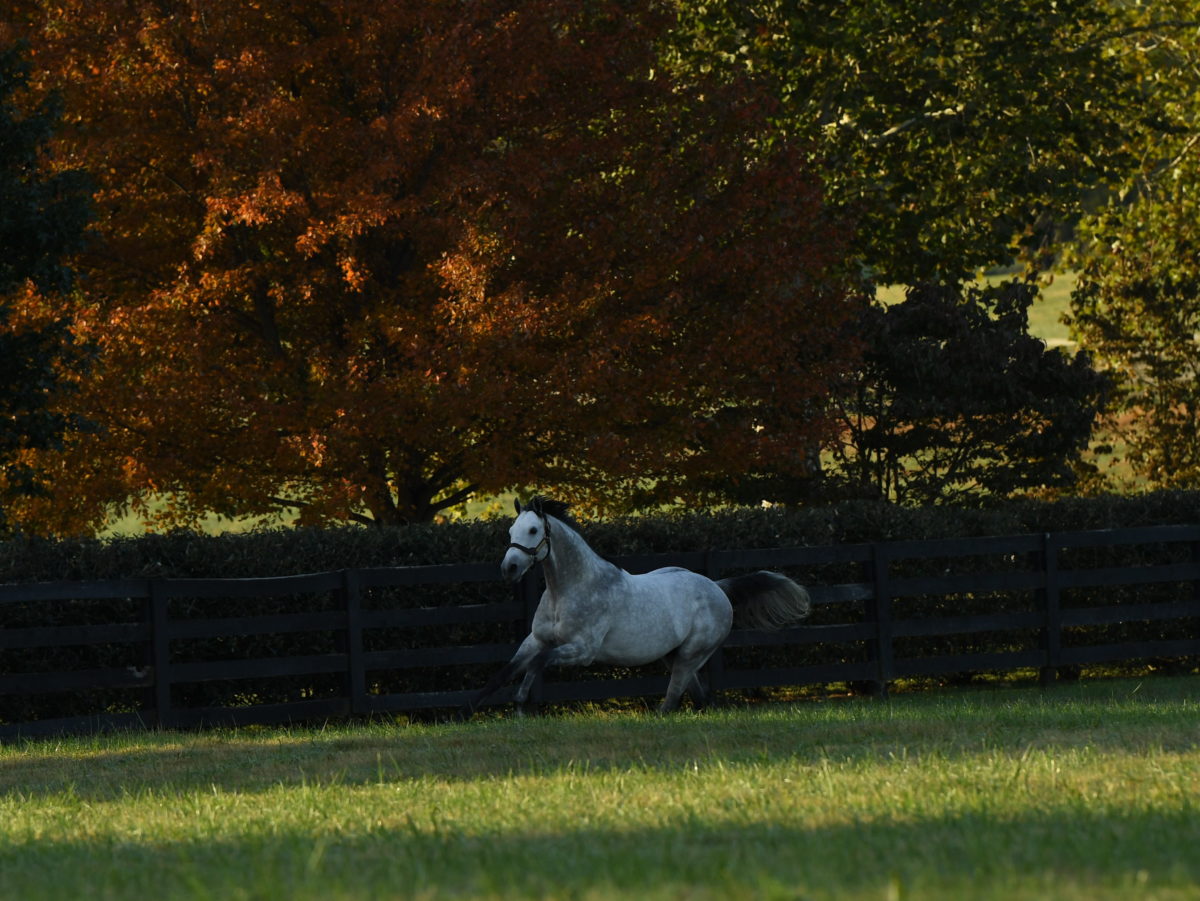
(529, 541)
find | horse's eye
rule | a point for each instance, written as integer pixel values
(533, 530)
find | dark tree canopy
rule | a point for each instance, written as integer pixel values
(956, 400)
(42, 219)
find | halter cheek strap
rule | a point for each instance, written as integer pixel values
(536, 549)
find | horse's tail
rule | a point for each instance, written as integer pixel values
(766, 600)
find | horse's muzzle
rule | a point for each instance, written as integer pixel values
(515, 564)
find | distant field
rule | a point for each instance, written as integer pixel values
(1046, 314)
(1088, 791)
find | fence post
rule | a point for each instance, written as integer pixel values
(879, 610)
(160, 652)
(1196, 559)
(356, 674)
(713, 671)
(1052, 612)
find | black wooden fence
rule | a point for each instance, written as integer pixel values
(888, 610)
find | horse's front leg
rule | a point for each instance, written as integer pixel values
(529, 650)
(521, 698)
(580, 652)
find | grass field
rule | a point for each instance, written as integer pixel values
(1090, 791)
(1046, 313)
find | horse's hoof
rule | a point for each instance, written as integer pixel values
(526, 708)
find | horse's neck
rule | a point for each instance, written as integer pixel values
(570, 561)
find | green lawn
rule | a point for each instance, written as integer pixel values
(1046, 314)
(1087, 791)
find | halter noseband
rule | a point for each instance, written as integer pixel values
(537, 548)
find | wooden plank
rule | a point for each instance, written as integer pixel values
(89, 724)
(263, 714)
(259, 668)
(966, 583)
(1126, 613)
(988, 545)
(74, 680)
(851, 592)
(863, 671)
(831, 634)
(64, 636)
(457, 655)
(1005, 660)
(307, 583)
(1134, 650)
(276, 624)
(74, 591)
(433, 574)
(965, 625)
(1119, 537)
(781, 558)
(1129, 575)
(415, 617)
(425, 700)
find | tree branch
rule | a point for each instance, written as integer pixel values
(456, 498)
(353, 517)
(909, 124)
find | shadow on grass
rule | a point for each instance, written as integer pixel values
(1101, 854)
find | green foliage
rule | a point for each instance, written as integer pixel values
(955, 400)
(956, 132)
(1136, 307)
(1138, 310)
(42, 219)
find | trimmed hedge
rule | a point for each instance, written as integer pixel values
(279, 552)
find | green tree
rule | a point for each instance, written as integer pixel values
(1137, 302)
(42, 220)
(955, 400)
(957, 136)
(958, 133)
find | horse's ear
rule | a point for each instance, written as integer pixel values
(517, 501)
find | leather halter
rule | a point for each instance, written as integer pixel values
(537, 548)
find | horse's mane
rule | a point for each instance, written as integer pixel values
(560, 510)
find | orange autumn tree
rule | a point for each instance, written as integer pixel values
(363, 259)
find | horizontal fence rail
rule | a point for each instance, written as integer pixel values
(354, 642)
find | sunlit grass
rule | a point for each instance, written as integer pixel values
(1084, 791)
(1045, 314)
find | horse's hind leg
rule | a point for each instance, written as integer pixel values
(685, 675)
(701, 697)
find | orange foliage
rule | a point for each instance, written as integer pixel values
(368, 256)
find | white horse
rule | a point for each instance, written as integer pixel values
(593, 611)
